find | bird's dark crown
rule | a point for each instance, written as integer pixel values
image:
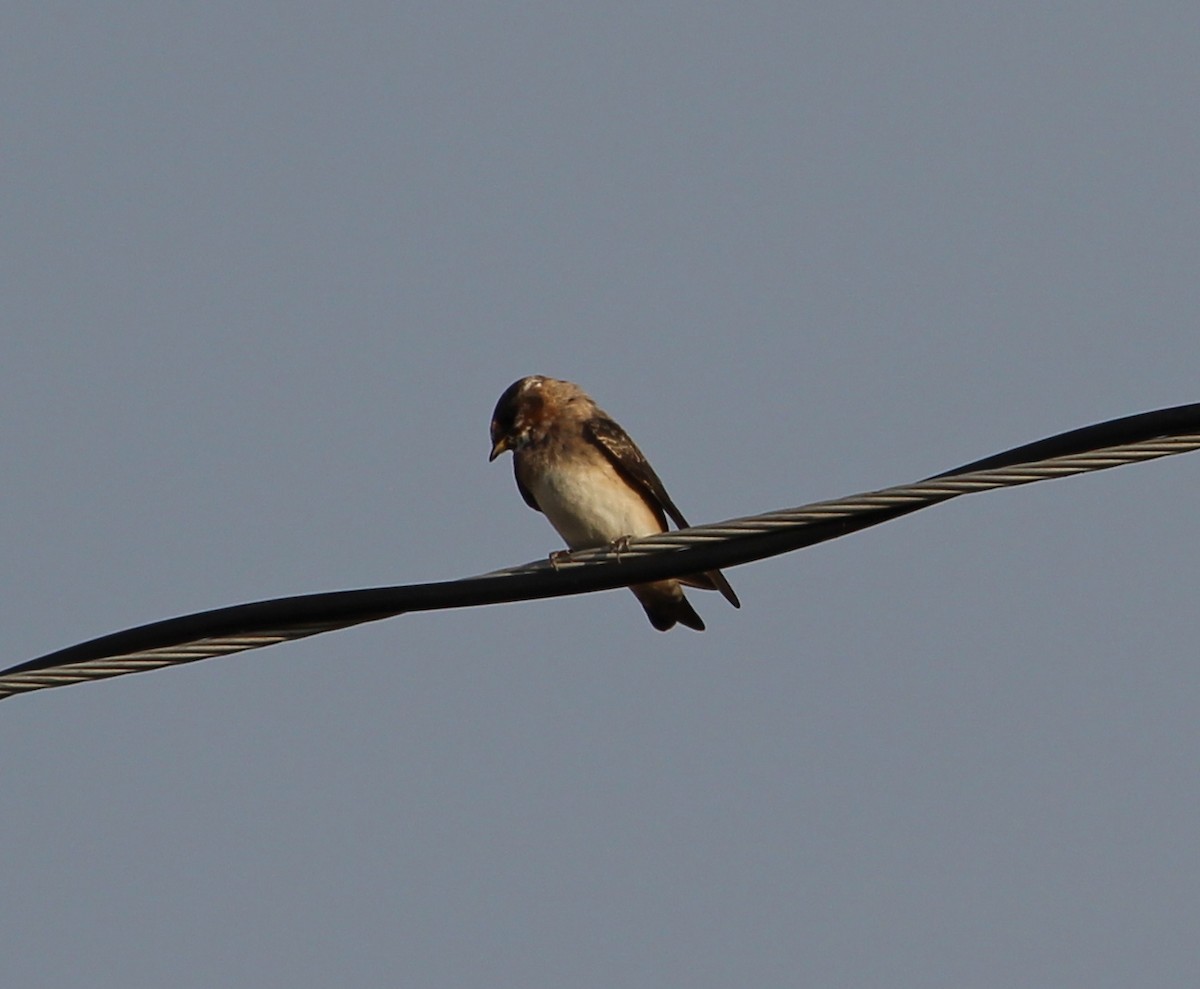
(515, 406)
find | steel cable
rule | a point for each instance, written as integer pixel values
(239, 628)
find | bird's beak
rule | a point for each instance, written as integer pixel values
(499, 447)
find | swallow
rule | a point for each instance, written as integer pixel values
(581, 470)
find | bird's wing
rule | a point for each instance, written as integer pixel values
(530, 500)
(632, 464)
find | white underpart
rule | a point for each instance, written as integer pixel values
(592, 505)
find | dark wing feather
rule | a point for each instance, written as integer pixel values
(525, 492)
(714, 580)
(630, 461)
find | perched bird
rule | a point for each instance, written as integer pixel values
(584, 473)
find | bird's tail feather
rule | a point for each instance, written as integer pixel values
(666, 605)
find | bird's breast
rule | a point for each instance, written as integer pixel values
(590, 504)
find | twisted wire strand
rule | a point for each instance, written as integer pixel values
(905, 496)
(239, 628)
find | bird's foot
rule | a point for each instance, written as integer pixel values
(559, 557)
(619, 545)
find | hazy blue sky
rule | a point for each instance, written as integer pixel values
(267, 268)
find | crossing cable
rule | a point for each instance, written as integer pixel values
(239, 628)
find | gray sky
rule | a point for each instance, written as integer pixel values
(266, 270)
